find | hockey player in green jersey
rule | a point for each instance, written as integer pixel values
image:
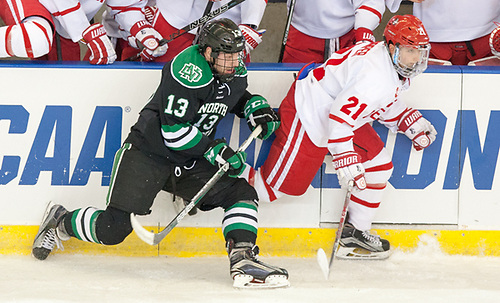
(172, 147)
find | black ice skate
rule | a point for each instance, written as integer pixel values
(49, 234)
(248, 272)
(361, 245)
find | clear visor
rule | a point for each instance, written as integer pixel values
(226, 65)
(411, 61)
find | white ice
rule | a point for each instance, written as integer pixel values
(425, 275)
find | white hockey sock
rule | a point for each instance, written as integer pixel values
(363, 207)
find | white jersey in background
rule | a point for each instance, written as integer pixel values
(72, 17)
(247, 12)
(457, 20)
(328, 19)
(181, 13)
(352, 88)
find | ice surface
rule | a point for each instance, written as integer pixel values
(425, 275)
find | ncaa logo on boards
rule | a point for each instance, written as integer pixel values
(93, 151)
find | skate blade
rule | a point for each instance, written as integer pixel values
(323, 262)
(357, 253)
(248, 282)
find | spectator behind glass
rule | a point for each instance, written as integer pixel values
(28, 30)
(459, 30)
(168, 16)
(72, 23)
(320, 28)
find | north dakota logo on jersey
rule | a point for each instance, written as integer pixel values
(191, 69)
(191, 72)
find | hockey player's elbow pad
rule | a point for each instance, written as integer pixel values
(30, 39)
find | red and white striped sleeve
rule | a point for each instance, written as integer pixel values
(127, 12)
(394, 113)
(252, 11)
(71, 16)
(29, 30)
(368, 13)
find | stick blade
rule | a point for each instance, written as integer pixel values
(323, 262)
(141, 232)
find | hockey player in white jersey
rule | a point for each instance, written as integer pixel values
(328, 109)
(72, 22)
(28, 29)
(321, 27)
(171, 15)
(458, 30)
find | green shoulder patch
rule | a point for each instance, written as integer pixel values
(190, 69)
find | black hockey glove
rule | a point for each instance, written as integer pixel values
(219, 152)
(258, 112)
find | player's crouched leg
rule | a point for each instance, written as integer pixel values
(108, 227)
(240, 231)
(356, 241)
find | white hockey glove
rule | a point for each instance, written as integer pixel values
(418, 129)
(145, 37)
(349, 167)
(101, 48)
(252, 37)
(363, 34)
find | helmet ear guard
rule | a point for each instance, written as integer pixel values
(407, 31)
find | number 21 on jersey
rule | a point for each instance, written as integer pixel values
(353, 107)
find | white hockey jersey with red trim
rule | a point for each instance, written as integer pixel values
(181, 13)
(353, 87)
(72, 17)
(327, 19)
(457, 20)
(28, 30)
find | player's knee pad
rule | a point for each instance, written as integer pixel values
(237, 190)
(113, 226)
(379, 169)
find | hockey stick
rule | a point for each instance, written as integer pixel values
(207, 10)
(155, 238)
(287, 29)
(323, 262)
(488, 61)
(194, 24)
